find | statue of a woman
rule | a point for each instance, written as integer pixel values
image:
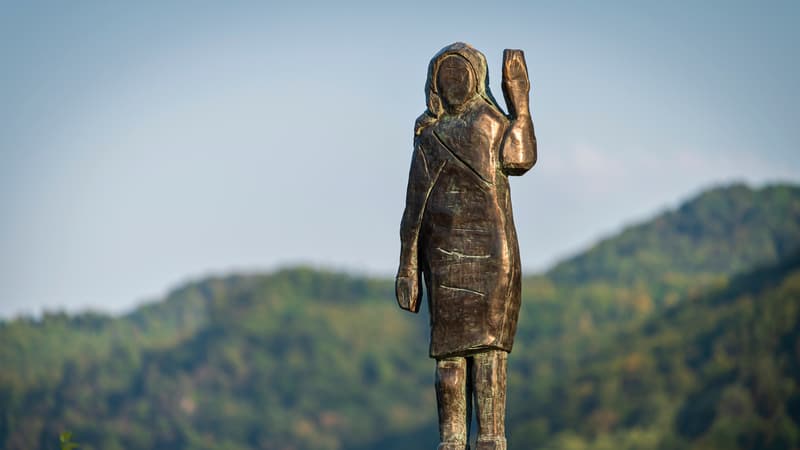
(458, 231)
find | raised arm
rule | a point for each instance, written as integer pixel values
(518, 151)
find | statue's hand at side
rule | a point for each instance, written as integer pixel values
(408, 292)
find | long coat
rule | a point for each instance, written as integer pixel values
(458, 229)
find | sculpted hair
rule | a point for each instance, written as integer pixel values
(476, 61)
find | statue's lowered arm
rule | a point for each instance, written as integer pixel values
(421, 178)
(518, 152)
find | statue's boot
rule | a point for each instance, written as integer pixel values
(454, 403)
(498, 443)
(489, 377)
(452, 446)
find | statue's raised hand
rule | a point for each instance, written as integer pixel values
(519, 147)
(516, 85)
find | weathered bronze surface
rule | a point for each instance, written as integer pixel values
(458, 232)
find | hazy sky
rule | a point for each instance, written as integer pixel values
(142, 145)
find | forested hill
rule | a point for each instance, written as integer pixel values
(721, 231)
(718, 371)
(679, 333)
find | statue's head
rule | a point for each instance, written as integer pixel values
(457, 74)
(455, 81)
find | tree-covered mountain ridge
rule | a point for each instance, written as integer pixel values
(721, 231)
(719, 370)
(311, 359)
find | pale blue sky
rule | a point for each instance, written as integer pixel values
(142, 145)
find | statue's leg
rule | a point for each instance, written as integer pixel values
(454, 403)
(489, 375)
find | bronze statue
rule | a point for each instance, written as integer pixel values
(458, 231)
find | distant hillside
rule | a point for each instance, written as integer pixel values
(679, 253)
(662, 337)
(299, 356)
(721, 231)
(719, 371)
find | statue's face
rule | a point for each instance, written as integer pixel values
(455, 81)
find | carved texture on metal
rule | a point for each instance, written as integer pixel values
(457, 233)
